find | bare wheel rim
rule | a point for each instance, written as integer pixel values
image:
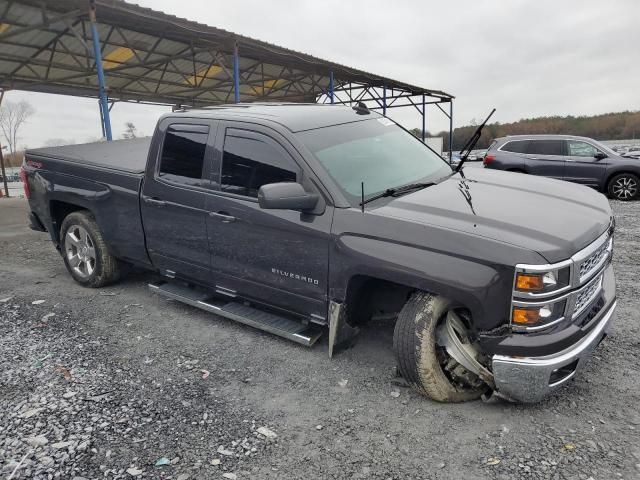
(625, 187)
(457, 374)
(80, 251)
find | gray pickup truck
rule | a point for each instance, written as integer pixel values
(297, 219)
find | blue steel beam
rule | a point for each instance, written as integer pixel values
(102, 92)
(236, 74)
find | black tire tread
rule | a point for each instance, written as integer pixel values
(107, 266)
(415, 348)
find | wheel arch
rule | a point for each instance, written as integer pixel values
(615, 173)
(369, 296)
(59, 210)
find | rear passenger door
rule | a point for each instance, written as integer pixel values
(174, 196)
(582, 165)
(546, 158)
(276, 257)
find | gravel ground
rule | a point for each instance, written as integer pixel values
(120, 383)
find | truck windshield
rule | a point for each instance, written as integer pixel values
(374, 151)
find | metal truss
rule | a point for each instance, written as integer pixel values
(382, 98)
(97, 49)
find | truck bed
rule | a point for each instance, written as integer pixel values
(124, 155)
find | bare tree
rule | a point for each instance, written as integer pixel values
(13, 115)
(130, 131)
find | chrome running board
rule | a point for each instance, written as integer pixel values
(285, 327)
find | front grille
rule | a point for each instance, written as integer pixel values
(586, 296)
(593, 261)
(591, 313)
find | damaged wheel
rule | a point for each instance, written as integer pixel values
(434, 352)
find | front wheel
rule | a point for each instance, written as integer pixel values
(85, 251)
(422, 361)
(624, 186)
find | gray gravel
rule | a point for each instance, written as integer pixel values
(108, 383)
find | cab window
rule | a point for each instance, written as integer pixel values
(183, 152)
(251, 160)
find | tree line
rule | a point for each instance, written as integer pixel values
(608, 126)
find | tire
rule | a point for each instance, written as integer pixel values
(85, 252)
(414, 342)
(624, 186)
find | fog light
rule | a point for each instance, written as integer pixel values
(525, 316)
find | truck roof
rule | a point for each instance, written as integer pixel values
(296, 117)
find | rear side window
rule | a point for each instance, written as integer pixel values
(515, 146)
(545, 147)
(251, 160)
(183, 150)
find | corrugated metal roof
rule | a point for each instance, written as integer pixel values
(150, 56)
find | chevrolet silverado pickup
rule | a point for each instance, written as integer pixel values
(305, 219)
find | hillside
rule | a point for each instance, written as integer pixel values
(609, 126)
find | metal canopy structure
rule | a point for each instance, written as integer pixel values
(118, 51)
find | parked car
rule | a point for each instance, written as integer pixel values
(632, 152)
(300, 219)
(575, 159)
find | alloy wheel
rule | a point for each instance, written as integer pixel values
(625, 188)
(80, 251)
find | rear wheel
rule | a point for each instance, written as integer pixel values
(624, 186)
(422, 361)
(85, 252)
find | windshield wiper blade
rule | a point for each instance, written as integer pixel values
(471, 143)
(397, 191)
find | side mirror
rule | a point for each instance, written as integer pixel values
(286, 196)
(599, 156)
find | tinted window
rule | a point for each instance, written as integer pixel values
(183, 150)
(375, 152)
(581, 149)
(250, 161)
(545, 147)
(516, 146)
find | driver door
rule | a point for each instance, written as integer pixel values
(275, 257)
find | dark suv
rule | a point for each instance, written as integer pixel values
(576, 159)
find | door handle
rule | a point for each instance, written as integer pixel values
(224, 217)
(155, 201)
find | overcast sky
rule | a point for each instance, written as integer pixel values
(526, 58)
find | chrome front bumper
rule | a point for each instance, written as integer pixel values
(529, 379)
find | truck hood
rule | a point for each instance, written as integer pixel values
(551, 217)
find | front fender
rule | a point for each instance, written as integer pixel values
(473, 271)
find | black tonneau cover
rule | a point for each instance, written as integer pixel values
(124, 155)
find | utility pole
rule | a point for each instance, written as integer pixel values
(4, 175)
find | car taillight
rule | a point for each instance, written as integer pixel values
(25, 183)
(488, 159)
